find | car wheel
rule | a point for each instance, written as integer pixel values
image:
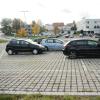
(35, 51)
(46, 48)
(10, 52)
(73, 55)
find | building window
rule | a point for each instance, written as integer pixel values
(88, 31)
(87, 26)
(95, 27)
(95, 21)
(98, 26)
(92, 32)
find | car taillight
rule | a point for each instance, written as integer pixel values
(66, 46)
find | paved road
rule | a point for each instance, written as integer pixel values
(49, 73)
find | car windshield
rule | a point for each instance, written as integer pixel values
(30, 41)
(67, 43)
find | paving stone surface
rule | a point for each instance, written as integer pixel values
(48, 73)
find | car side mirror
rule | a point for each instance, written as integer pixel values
(61, 43)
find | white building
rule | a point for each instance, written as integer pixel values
(49, 29)
(67, 28)
(89, 25)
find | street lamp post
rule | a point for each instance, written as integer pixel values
(25, 17)
(24, 14)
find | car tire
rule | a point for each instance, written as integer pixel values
(35, 51)
(10, 52)
(72, 55)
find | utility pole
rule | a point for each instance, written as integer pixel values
(25, 19)
(24, 14)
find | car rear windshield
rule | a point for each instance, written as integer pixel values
(81, 42)
(78, 42)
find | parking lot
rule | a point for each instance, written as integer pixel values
(48, 73)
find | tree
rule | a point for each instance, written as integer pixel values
(6, 26)
(33, 23)
(36, 29)
(74, 27)
(16, 25)
(22, 32)
(42, 29)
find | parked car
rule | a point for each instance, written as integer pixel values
(80, 35)
(90, 35)
(99, 40)
(83, 47)
(23, 45)
(71, 36)
(67, 36)
(53, 44)
(97, 35)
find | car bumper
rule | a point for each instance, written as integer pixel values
(65, 52)
(42, 49)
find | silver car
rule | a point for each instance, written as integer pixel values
(53, 44)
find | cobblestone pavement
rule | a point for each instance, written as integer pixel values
(49, 73)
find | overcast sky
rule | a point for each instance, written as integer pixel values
(49, 11)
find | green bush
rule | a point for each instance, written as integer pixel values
(2, 41)
(43, 97)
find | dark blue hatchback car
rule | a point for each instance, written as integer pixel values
(23, 45)
(83, 47)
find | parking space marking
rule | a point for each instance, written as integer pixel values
(2, 53)
(83, 65)
(49, 73)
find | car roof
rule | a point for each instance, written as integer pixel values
(78, 39)
(22, 39)
(28, 40)
(18, 39)
(81, 39)
(54, 39)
